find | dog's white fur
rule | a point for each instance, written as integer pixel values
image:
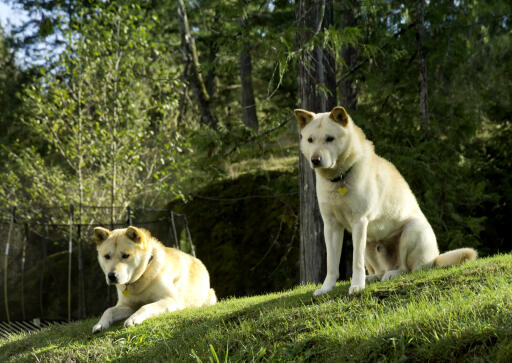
(150, 278)
(390, 233)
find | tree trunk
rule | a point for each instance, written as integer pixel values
(422, 66)
(348, 90)
(182, 106)
(316, 68)
(196, 79)
(348, 99)
(213, 50)
(249, 116)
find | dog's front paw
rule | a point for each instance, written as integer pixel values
(321, 291)
(98, 327)
(133, 320)
(328, 285)
(354, 289)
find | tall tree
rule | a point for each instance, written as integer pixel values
(422, 64)
(348, 53)
(11, 80)
(249, 116)
(316, 93)
(196, 78)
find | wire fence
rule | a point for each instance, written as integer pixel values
(49, 266)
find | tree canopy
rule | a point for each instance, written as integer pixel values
(146, 102)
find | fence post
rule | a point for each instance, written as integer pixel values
(129, 219)
(43, 270)
(6, 259)
(82, 299)
(174, 231)
(111, 217)
(23, 254)
(70, 255)
(189, 236)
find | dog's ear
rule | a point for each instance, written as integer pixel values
(101, 234)
(339, 115)
(303, 117)
(135, 234)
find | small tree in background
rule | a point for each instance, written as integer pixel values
(105, 121)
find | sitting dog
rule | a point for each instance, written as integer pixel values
(150, 278)
(361, 192)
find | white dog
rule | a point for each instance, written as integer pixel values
(151, 279)
(361, 192)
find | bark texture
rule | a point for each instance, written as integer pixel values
(249, 117)
(422, 65)
(317, 93)
(348, 90)
(195, 78)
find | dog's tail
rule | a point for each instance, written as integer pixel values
(455, 257)
(211, 299)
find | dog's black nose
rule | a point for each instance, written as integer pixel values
(316, 160)
(112, 277)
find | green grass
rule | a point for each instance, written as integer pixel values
(462, 313)
(286, 163)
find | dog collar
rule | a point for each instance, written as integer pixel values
(342, 176)
(126, 292)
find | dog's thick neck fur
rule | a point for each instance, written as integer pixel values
(150, 269)
(357, 150)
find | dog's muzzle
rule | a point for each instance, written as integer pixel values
(316, 160)
(112, 277)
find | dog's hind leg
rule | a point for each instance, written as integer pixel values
(388, 275)
(418, 245)
(372, 278)
(211, 299)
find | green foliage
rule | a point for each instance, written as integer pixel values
(105, 123)
(12, 79)
(453, 314)
(117, 102)
(443, 163)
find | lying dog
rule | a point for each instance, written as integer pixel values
(150, 278)
(361, 192)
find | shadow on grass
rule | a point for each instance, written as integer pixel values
(181, 335)
(79, 333)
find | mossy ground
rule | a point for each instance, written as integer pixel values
(461, 313)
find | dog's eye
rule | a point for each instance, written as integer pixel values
(310, 140)
(107, 257)
(125, 256)
(329, 139)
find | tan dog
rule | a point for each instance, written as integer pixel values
(150, 278)
(361, 192)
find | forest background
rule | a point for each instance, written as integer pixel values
(188, 105)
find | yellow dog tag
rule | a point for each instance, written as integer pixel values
(342, 190)
(126, 292)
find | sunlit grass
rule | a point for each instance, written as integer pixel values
(461, 313)
(285, 164)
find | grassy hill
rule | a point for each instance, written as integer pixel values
(462, 313)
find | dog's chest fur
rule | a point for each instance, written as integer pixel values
(157, 281)
(360, 200)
